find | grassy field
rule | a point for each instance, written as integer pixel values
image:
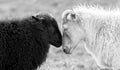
(57, 60)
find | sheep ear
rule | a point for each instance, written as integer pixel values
(38, 17)
(34, 17)
(68, 15)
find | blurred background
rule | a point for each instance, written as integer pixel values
(56, 60)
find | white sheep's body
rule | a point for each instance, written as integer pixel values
(101, 29)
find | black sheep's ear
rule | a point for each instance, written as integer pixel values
(38, 17)
(34, 17)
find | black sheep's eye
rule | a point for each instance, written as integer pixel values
(40, 26)
(43, 20)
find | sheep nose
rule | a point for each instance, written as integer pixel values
(66, 51)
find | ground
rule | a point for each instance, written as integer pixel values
(56, 60)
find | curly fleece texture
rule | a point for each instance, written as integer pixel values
(22, 45)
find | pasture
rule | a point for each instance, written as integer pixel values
(57, 60)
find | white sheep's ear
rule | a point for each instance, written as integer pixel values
(68, 15)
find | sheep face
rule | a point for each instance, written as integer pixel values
(72, 31)
(49, 28)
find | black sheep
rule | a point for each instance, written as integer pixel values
(24, 43)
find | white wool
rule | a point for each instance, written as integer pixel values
(103, 28)
(97, 10)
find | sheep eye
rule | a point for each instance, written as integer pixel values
(42, 20)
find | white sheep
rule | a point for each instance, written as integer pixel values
(98, 28)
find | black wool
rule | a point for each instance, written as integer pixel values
(24, 43)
